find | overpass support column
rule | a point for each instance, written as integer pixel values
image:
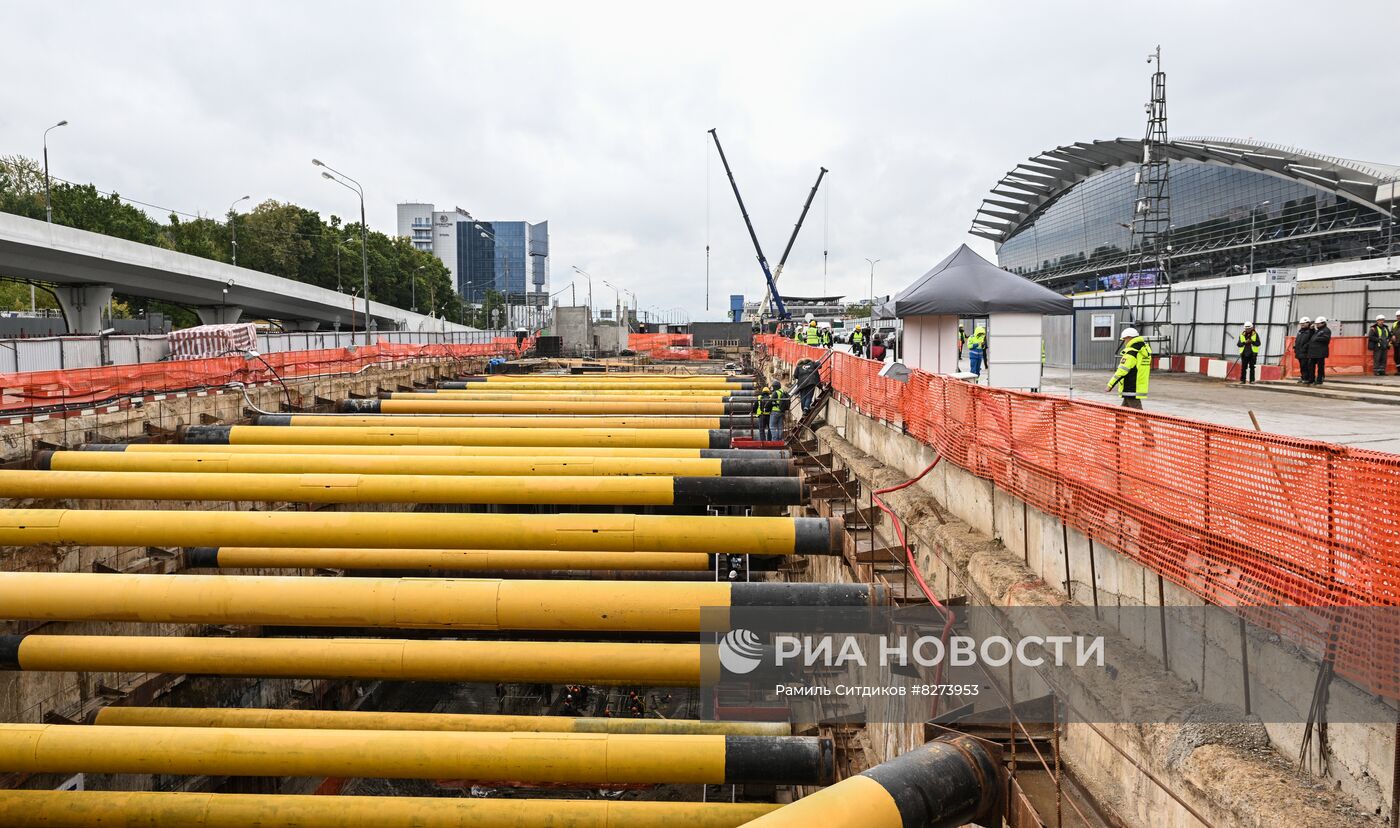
(219, 314)
(300, 324)
(82, 306)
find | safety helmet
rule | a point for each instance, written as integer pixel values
(1321, 320)
(811, 323)
(1128, 333)
(1249, 324)
(1397, 314)
(1380, 318)
(1305, 321)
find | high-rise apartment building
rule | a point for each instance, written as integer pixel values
(511, 257)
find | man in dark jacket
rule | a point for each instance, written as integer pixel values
(1378, 343)
(1318, 348)
(806, 377)
(1300, 350)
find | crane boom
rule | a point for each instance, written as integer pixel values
(778, 274)
(762, 260)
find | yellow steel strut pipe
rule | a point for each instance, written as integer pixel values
(591, 386)
(516, 421)
(379, 720)
(435, 560)
(674, 381)
(537, 662)
(84, 809)
(942, 784)
(407, 603)
(387, 530)
(398, 435)
(556, 407)
(568, 758)
(542, 464)
(655, 490)
(678, 395)
(441, 451)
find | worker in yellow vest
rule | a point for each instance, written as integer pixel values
(813, 335)
(1249, 353)
(1134, 369)
(858, 341)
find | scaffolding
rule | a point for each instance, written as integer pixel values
(1150, 229)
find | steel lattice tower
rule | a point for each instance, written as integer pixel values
(1149, 241)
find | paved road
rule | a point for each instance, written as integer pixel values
(1361, 424)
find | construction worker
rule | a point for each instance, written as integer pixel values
(1249, 352)
(977, 350)
(1395, 340)
(1134, 369)
(1300, 350)
(777, 410)
(962, 341)
(762, 406)
(1319, 348)
(826, 338)
(858, 341)
(1378, 343)
(806, 377)
(813, 335)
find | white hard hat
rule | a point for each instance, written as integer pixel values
(1128, 333)
(1321, 320)
(1249, 324)
(1304, 321)
(1380, 318)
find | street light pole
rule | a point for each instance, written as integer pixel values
(590, 289)
(872, 288)
(48, 199)
(364, 229)
(233, 226)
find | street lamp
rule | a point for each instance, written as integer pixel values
(233, 226)
(48, 202)
(585, 275)
(413, 287)
(872, 288)
(1252, 239)
(364, 228)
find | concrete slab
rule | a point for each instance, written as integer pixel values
(1362, 424)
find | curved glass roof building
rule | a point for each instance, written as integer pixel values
(1063, 216)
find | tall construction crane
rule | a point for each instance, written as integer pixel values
(778, 274)
(773, 296)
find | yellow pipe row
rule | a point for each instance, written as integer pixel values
(530, 662)
(678, 395)
(407, 603)
(549, 406)
(435, 560)
(567, 758)
(550, 466)
(594, 385)
(654, 490)
(484, 422)
(379, 720)
(396, 435)
(384, 530)
(438, 450)
(84, 809)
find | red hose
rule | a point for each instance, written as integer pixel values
(912, 569)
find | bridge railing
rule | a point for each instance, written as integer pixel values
(73, 352)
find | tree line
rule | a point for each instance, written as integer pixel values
(273, 237)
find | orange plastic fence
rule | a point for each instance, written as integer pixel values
(44, 389)
(1346, 356)
(665, 346)
(1258, 522)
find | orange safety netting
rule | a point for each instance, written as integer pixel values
(46, 389)
(1346, 356)
(665, 346)
(1259, 522)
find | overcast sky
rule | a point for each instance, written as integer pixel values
(593, 115)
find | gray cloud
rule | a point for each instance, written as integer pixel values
(593, 115)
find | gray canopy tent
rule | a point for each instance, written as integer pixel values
(965, 284)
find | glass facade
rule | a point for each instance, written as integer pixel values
(504, 260)
(1080, 239)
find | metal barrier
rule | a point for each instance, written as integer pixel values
(1262, 523)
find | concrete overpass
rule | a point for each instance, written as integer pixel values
(85, 268)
